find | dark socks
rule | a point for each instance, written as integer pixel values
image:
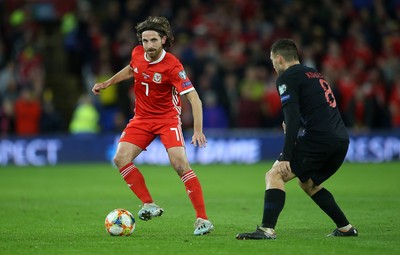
(274, 200)
(327, 203)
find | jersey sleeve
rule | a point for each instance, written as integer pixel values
(180, 80)
(137, 52)
(288, 92)
(134, 52)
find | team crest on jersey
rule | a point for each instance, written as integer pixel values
(183, 75)
(157, 78)
(282, 89)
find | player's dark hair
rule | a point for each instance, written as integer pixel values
(158, 24)
(286, 48)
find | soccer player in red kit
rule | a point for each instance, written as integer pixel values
(159, 81)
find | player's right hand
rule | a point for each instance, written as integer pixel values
(98, 87)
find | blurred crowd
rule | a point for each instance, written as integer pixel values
(223, 45)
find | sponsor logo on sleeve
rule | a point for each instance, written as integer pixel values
(186, 84)
(285, 98)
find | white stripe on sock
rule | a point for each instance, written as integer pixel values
(188, 176)
(126, 171)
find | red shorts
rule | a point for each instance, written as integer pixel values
(142, 132)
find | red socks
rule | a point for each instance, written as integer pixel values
(195, 193)
(134, 178)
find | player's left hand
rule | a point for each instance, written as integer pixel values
(199, 139)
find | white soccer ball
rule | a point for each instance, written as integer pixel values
(120, 222)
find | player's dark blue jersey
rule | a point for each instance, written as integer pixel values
(307, 101)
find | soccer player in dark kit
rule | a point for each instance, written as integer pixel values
(314, 155)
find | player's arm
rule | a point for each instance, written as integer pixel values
(291, 114)
(288, 91)
(291, 127)
(198, 137)
(122, 75)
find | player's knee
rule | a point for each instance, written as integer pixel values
(303, 186)
(272, 175)
(117, 161)
(120, 160)
(180, 166)
(308, 187)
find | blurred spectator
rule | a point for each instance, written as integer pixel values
(214, 115)
(30, 73)
(7, 120)
(271, 103)
(333, 61)
(230, 98)
(7, 76)
(3, 53)
(394, 103)
(85, 117)
(355, 44)
(10, 91)
(359, 111)
(112, 19)
(251, 92)
(346, 88)
(27, 113)
(389, 60)
(51, 120)
(377, 95)
(109, 97)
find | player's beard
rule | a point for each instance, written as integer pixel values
(153, 53)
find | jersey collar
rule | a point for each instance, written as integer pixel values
(163, 52)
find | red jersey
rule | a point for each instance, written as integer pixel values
(158, 85)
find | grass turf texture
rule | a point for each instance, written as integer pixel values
(61, 210)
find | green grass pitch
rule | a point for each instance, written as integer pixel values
(61, 210)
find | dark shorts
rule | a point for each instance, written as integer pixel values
(317, 160)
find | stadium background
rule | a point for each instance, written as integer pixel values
(52, 52)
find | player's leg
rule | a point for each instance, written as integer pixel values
(133, 141)
(172, 138)
(274, 201)
(322, 197)
(178, 159)
(325, 200)
(179, 162)
(274, 198)
(124, 156)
